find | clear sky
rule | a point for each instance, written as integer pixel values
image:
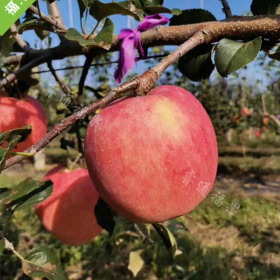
(214, 6)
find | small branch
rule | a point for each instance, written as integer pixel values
(25, 47)
(65, 88)
(55, 23)
(112, 95)
(266, 114)
(13, 59)
(86, 67)
(13, 76)
(226, 8)
(54, 12)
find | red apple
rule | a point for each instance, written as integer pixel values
(69, 212)
(155, 157)
(265, 121)
(258, 133)
(245, 112)
(16, 113)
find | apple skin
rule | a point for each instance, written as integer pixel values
(68, 213)
(150, 157)
(16, 113)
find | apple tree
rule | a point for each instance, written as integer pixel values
(203, 44)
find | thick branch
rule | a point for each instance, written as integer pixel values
(235, 28)
(226, 8)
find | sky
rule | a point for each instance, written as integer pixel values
(214, 6)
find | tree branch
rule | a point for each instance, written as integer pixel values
(54, 11)
(65, 88)
(86, 67)
(25, 47)
(226, 8)
(55, 23)
(236, 28)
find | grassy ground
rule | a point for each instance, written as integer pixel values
(215, 244)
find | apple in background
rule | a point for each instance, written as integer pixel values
(265, 121)
(68, 213)
(155, 157)
(245, 112)
(16, 113)
(258, 133)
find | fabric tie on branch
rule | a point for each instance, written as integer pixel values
(130, 40)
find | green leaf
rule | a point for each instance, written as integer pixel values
(157, 9)
(6, 43)
(8, 135)
(73, 35)
(232, 55)
(3, 156)
(26, 194)
(168, 240)
(275, 54)
(192, 16)
(268, 7)
(101, 10)
(41, 262)
(136, 262)
(83, 5)
(197, 64)
(142, 4)
(2, 245)
(34, 24)
(105, 216)
(103, 39)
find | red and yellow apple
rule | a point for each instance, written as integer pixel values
(155, 157)
(245, 112)
(68, 213)
(16, 113)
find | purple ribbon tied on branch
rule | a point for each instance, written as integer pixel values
(131, 40)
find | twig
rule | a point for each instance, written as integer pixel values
(142, 234)
(52, 21)
(226, 8)
(112, 95)
(65, 88)
(266, 114)
(86, 67)
(25, 47)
